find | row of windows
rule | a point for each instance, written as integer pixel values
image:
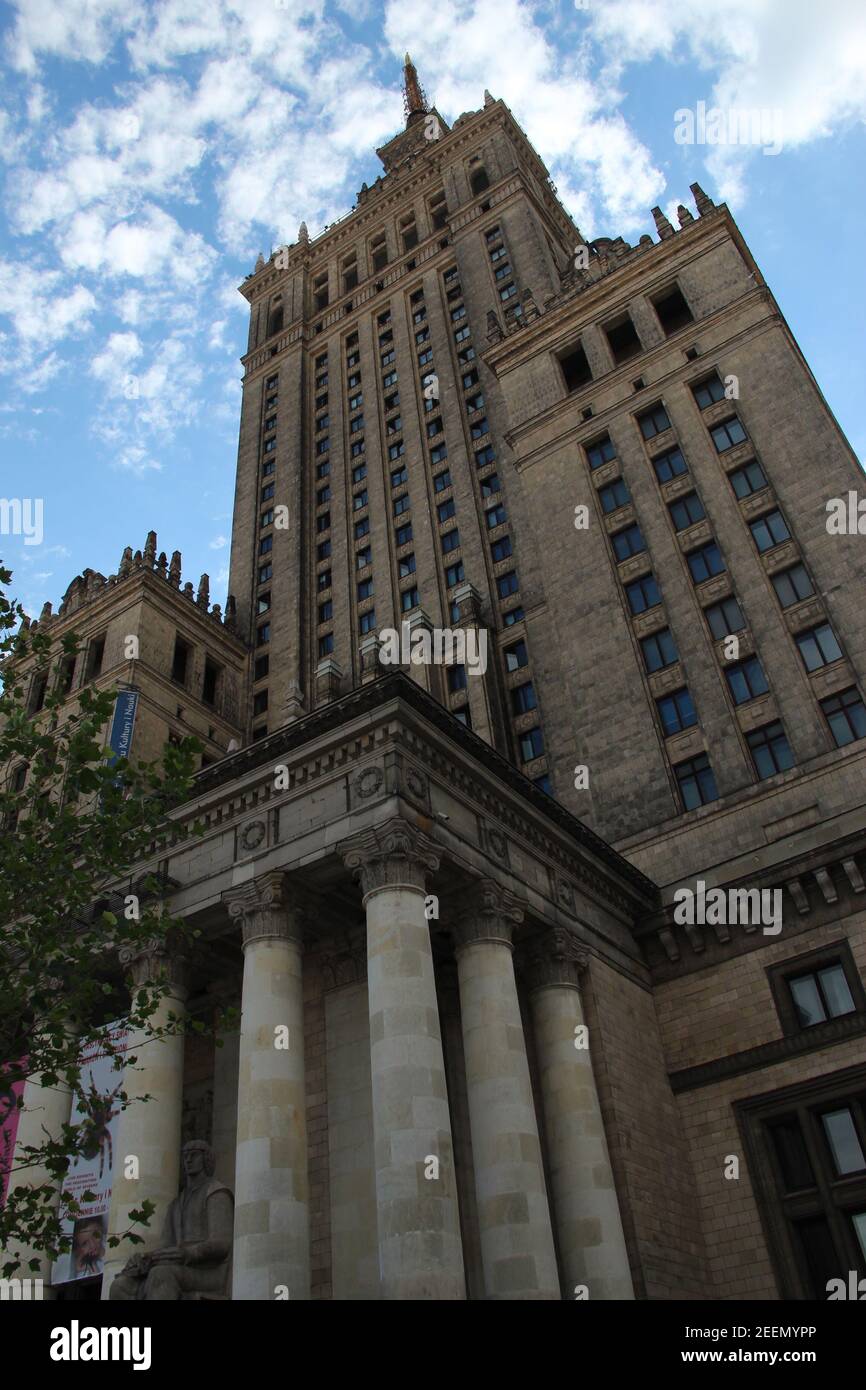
(673, 313)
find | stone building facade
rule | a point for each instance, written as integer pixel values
(570, 952)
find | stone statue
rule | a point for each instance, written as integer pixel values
(194, 1257)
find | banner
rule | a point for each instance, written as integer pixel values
(92, 1170)
(9, 1116)
(122, 724)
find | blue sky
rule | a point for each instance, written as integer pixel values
(150, 150)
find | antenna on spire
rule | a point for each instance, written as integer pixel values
(414, 100)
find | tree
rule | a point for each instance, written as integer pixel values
(75, 826)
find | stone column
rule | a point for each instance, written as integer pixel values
(513, 1214)
(589, 1230)
(272, 1222)
(420, 1251)
(46, 1110)
(149, 1130)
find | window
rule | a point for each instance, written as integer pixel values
(356, 401)
(362, 527)
(459, 337)
(399, 475)
(846, 715)
(359, 472)
(260, 702)
(613, 495)
(323, 469)
(516, 656)
(728, 434)
(326, 611)
(266, 545)
(495, 516)
(323, 580)
(475, 402)
(271, 445)
(628, 542)
(514, 615)
(367, 622)
(263, 634)
(387, 358)
(463, 715)
(676, 712)
(271, 383)
(673, 311)
(267, 517)
(507, 293)
(358, 448)
(95, 658)
(326, 645)
(180, 661)
(442, 480)
(705, 562)
(669, 465)
(724, 617)
(818, 646)
(270, 424)
(446, 509)
(409, 599)
(686, 511)
(507, 584)
(379, 252)
(821, 994)
(356, 424)
(523, 698)
(390, 379)
(746, 680)
(350, 275)
(531, 744)
(769, 530)
(322, 446)
(470, 379)
(434, 427)
(498, 254)
(427, 355)
(323, 522)
(438, 453)
(403, 534)
(259, 733)
(263, 603)
(406, 566)
(654, 421)
(696, 782)
(623, 340)
(708, 391)
(575, 368)
(485, 456)
(267, 492)
(770, 749)
(401, 504)
(501, 549)
(643, 594)
(748, 479)
(478, 180)
(454, 574)
(465, 355)
(490, 485)
(265, 572)
(792, 585)
(320, 292)
(365, 589)
(261, 668)
(268, 467)
(322, 496)
(502, 271)
(602, 451)
(659, 650)
(457, 678)
(451, 541)
(409, 234)
(323, 422)
(323, 550)
(364, 557)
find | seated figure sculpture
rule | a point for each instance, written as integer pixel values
(194, 1257)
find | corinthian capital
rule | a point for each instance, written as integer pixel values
(554, 958)
(155, 961)
(490, 913)
(393, 855)
(267, 907)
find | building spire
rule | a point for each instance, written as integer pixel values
(414, 101)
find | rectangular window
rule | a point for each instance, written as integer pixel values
(705, 562)
(673, 311)
(792, 585)
(268, 467)
(438, 454)
(461, 335)
(485, 456)
(457, 678)
(669, 465)
(323, 550)
(403, 534)
(628, 542)
(622, 338)
(769, 530)
(365, 589)
(356, 401)
(362, 528)
(450, 541)
(266, 545)
(507, 584)
(359, 473)
(516, 656)
(531, 745)
(326, 611)
(263, 603)
(261, 668)
(265, 572)
(442, 480)
(613, 495)
(523, 698)
(686, 511)
(708, 391)
(501, 549)
(409, 599)
(367, 622)
(323, 522)
(446, 509)
(490, 485)
(495, 516)
(643, 594)
(748, 479)
(770, 750)
(267, 517)
(575, 368)
(323, 469)
(364, 557)
(514, 615)
(401, 504)
(434, 427)
(323, 580)
(475, 402)
(322, 496)
(358, 448)
(846, 716)
(602, 451)
(746, 680)
(95, 658)
(728, 434)
(267, 492)
(724, 617)
(818, 647)
(454, 574)
(406, 566)
(676, 712)
(210, 681)
(654, 421)
(399, 475)
(696, 782)
(390, 379)
(260, 702)
(659, 650)
(326, 645)
(387, 358)
(180, 660)
(263, 634)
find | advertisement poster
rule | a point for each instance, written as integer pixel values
(9, 1115)
(92, 1170)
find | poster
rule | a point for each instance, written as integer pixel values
(9, 1115)
(92, 1170)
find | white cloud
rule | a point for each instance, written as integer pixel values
(219, 543)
